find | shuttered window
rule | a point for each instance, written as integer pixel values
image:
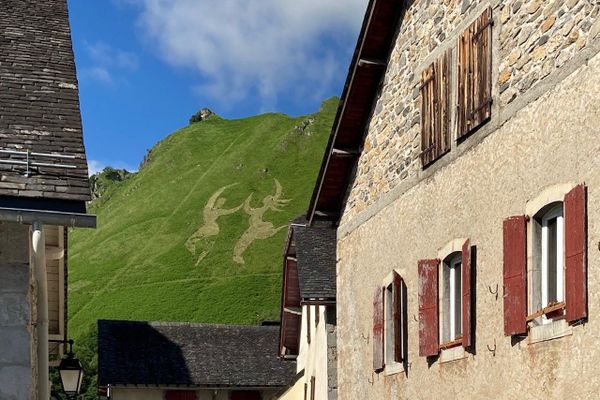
(515, 273)
(435, 110)
(398, 318)
(378, 329)
(474, 102)
(467, 274)
(429, 344)
(575, 254)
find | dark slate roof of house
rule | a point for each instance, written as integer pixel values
(316, 255)
(155, 353)
(39, 101)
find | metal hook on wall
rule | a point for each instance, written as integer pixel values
(493, 292)
(492, 350)
(365, 337)
(415, 318)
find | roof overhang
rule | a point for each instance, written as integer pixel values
(367, 69)
(24, 216)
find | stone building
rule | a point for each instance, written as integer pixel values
(463, 173)
(43, 189)
(308, 311)
(184, 361)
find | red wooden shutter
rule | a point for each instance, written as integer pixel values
(397, 313)
(467, 272)
(515, 275)
(575, 254)
(475, 75)
(435, 113)
(180, 395)
(429, 333)
(378, 362)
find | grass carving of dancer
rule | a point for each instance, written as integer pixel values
(200, 243)
(259, 229)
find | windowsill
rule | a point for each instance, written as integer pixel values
(393, 369)
(547, 310)
(453, 354)
(553, 330)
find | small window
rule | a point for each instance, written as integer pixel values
(548, 274)
(452, 298)
(389, 325)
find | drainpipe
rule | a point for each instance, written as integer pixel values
(38, 242)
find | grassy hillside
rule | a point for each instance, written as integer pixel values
(171, 239)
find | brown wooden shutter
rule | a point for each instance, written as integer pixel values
(429, 344)
(467, 273)
(474, 104)
(397, 313)
(575, 254)
(378, 362)
(515, 275)
(435, 112)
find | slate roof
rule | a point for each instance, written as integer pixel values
(168, 354)
(39, 101)
(316, 255)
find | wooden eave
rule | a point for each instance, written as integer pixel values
(289, 329)
(367, 69)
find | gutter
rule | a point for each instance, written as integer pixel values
(38, 247)
(24, 216)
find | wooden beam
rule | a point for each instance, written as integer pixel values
(370, 63)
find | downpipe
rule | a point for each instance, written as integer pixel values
(38, 244)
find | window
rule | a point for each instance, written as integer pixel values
(389, 325)
(435, 110)
(474, 103)
(548, 282)
(445, 304)
(452, 298)
(557, 287)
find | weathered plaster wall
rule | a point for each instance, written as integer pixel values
(15, 312)
(314, 357)
(554, 140)
(532, 41)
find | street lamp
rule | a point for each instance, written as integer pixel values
(71, 372)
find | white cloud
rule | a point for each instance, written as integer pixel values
(106, 60)
(265, 47)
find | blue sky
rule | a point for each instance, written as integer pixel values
(145, 66)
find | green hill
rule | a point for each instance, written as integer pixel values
(197, 233)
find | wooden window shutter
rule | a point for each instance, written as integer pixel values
(575, 254)
(378, 362)
(435, 110)
(474, 104)
(398, 320)
(429, 344)
(515, 275)
(467, 274)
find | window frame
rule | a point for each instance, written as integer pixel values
(556, 212)
(450, 296)
(390, 364)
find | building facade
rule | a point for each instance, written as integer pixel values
(308, 311)
(463, 173)
(43, 190)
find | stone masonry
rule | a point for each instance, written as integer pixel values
(15, 312)
(531, 40)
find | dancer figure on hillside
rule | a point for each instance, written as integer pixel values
(259, 229)
(212, 211)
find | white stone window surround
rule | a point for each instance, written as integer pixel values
(450, 252)
(543, 329)
(391, 366)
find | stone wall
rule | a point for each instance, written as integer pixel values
(532, 41)
(15, 312)
(553, 140)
